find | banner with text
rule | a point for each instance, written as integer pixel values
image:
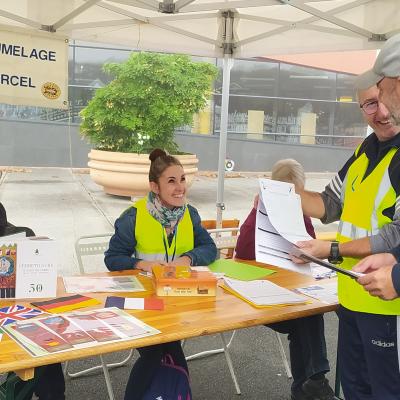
(33, 69)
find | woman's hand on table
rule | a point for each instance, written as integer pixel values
(148, 265)
(184, 260)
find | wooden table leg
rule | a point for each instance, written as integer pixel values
(26, 374)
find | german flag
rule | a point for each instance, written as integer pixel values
(67, 303)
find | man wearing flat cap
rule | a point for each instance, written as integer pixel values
(386, 75)
(382, 271)
(365, 197)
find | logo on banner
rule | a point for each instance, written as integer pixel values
(33, 69)
(51, 90)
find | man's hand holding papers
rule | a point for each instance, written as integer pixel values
(302, 255)
(279, 225)
(281, 236)
(318, 248)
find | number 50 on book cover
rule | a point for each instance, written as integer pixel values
(28, 268)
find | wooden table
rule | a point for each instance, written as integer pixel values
(183, 317)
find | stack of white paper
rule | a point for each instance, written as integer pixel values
(279, 225)
(262, 293)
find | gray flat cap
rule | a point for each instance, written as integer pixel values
(387, 64)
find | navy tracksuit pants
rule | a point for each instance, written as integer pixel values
(368, 356)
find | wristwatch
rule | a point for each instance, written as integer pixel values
(334, 255)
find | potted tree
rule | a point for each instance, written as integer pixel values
(151, 95)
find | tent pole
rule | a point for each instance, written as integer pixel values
(226, 77)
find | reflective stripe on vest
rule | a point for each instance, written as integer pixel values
(149, 235)
(365, 199)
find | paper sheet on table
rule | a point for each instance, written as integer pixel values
(239, 270)
(91, 284)
(271, 247)
(325, 291)
(262, 293)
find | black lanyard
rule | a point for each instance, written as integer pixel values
(165, 244)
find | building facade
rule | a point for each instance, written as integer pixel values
(270, 101)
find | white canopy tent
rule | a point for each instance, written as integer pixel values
(225, 29)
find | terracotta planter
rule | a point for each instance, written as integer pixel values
(127, 174)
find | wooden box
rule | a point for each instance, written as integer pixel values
(183, 281)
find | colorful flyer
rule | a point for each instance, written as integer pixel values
(65, 328)
(94, 327)
(119, 323)
(77, 330)
(8, 269)
(46, 339)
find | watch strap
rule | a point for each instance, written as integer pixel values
(334, 255)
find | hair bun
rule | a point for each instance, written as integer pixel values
(156, 153)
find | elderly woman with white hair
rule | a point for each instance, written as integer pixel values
(306, 336)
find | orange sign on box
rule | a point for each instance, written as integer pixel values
(183, 281)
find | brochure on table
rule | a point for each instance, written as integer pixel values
(77, 330)
(279, 224)
(28, 267)
(92, 284)
(325, 291)
(262, 293)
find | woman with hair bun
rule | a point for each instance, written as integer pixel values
(160, 228)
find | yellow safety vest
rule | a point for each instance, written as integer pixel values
(151, 237)
(364, 200)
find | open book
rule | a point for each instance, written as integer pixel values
(262, 293)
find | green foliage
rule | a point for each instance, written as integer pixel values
(150, 96)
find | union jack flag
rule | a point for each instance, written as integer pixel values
(15, 313)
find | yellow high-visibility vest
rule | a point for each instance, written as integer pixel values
(151, 237)
(364, 201)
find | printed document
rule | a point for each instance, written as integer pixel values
(279, 225)
(77, 330)
(325, 291)
(262, 293)
(92, 284)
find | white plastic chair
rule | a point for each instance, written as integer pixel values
(90, 245)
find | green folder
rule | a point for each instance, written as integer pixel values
(239, 270)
